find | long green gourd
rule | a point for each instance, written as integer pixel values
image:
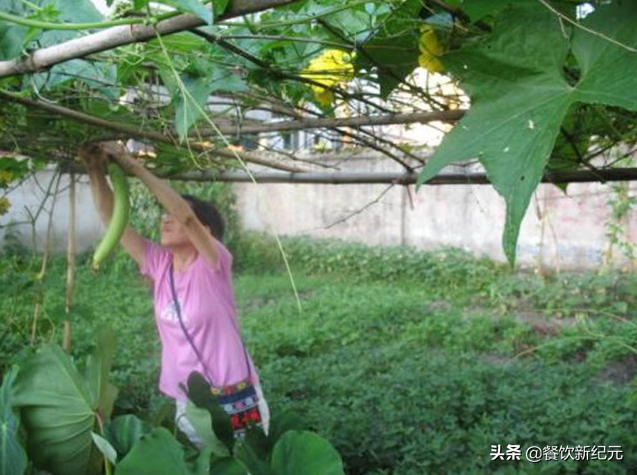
(119, 219)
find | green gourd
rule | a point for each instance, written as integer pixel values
(119, 219)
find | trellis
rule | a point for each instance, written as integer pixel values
(359, 116)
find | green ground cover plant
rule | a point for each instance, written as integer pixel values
(408, 362)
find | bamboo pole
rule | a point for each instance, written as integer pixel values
(116, 36)
(70, 264)
(398, 178)
(132, 131)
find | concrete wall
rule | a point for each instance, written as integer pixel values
(560, 230)
(27, 199)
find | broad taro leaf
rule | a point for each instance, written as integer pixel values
(13, 459)
(307, 453)
(254, 454)
(199, 393)
(105, 447)
(201, 421)
(283, 422)
(59, 410)
(123, 432)
(96, 373)
(520, 96)
(160, 454)
(227, 466)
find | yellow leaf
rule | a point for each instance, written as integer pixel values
(4, 205)
(5, 177)
(430, 49)
(331, 68)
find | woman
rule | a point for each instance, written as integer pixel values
(194, 305)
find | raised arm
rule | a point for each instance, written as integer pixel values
(94, 160)
(173, 203)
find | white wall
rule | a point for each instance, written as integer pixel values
(26, 200)
(560, 230)
(568, 231)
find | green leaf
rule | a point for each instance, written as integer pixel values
(201, 421)
(227, 466)
(256, 439)
(251, 460)
(394, 50)
(98, 367)
(195, 7)
(59, 410)
(283, 422)
(157, 453)
(105, 448)
(199, 393)
(100, 77)
(478, 9)
(11, 40)
(201, 464)
(124, 431)
(13, 459)
(219, 7)
(307, 453)
(191, 102)
(12, 36)
(520, 96)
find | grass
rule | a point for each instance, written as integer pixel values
(410, 363)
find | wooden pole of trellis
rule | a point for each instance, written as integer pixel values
(70, 265)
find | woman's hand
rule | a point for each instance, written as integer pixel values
(91, 155)
(116, 151)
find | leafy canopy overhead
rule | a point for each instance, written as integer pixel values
(522, 90)
(549, 83)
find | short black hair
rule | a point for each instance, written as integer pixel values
(208, 214)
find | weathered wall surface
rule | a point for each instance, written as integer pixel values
(560, 230)
(26, 200)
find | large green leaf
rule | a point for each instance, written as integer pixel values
(96, 373)
(191, 102)
(252, 460)
(12, 36)
(520, 96)
(219, 7)
(227, 466)
(477, 9)
(60, 409)
(283, 422)
(304, 452)
(202, 423)
(160, 454)
(195, 7)
(394, 49)
(123, 432)
(199, 393)
(13, 459)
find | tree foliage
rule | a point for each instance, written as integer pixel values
(549, 82)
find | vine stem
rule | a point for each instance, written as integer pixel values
(46, 25)
(587, 30)
(309, 18)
